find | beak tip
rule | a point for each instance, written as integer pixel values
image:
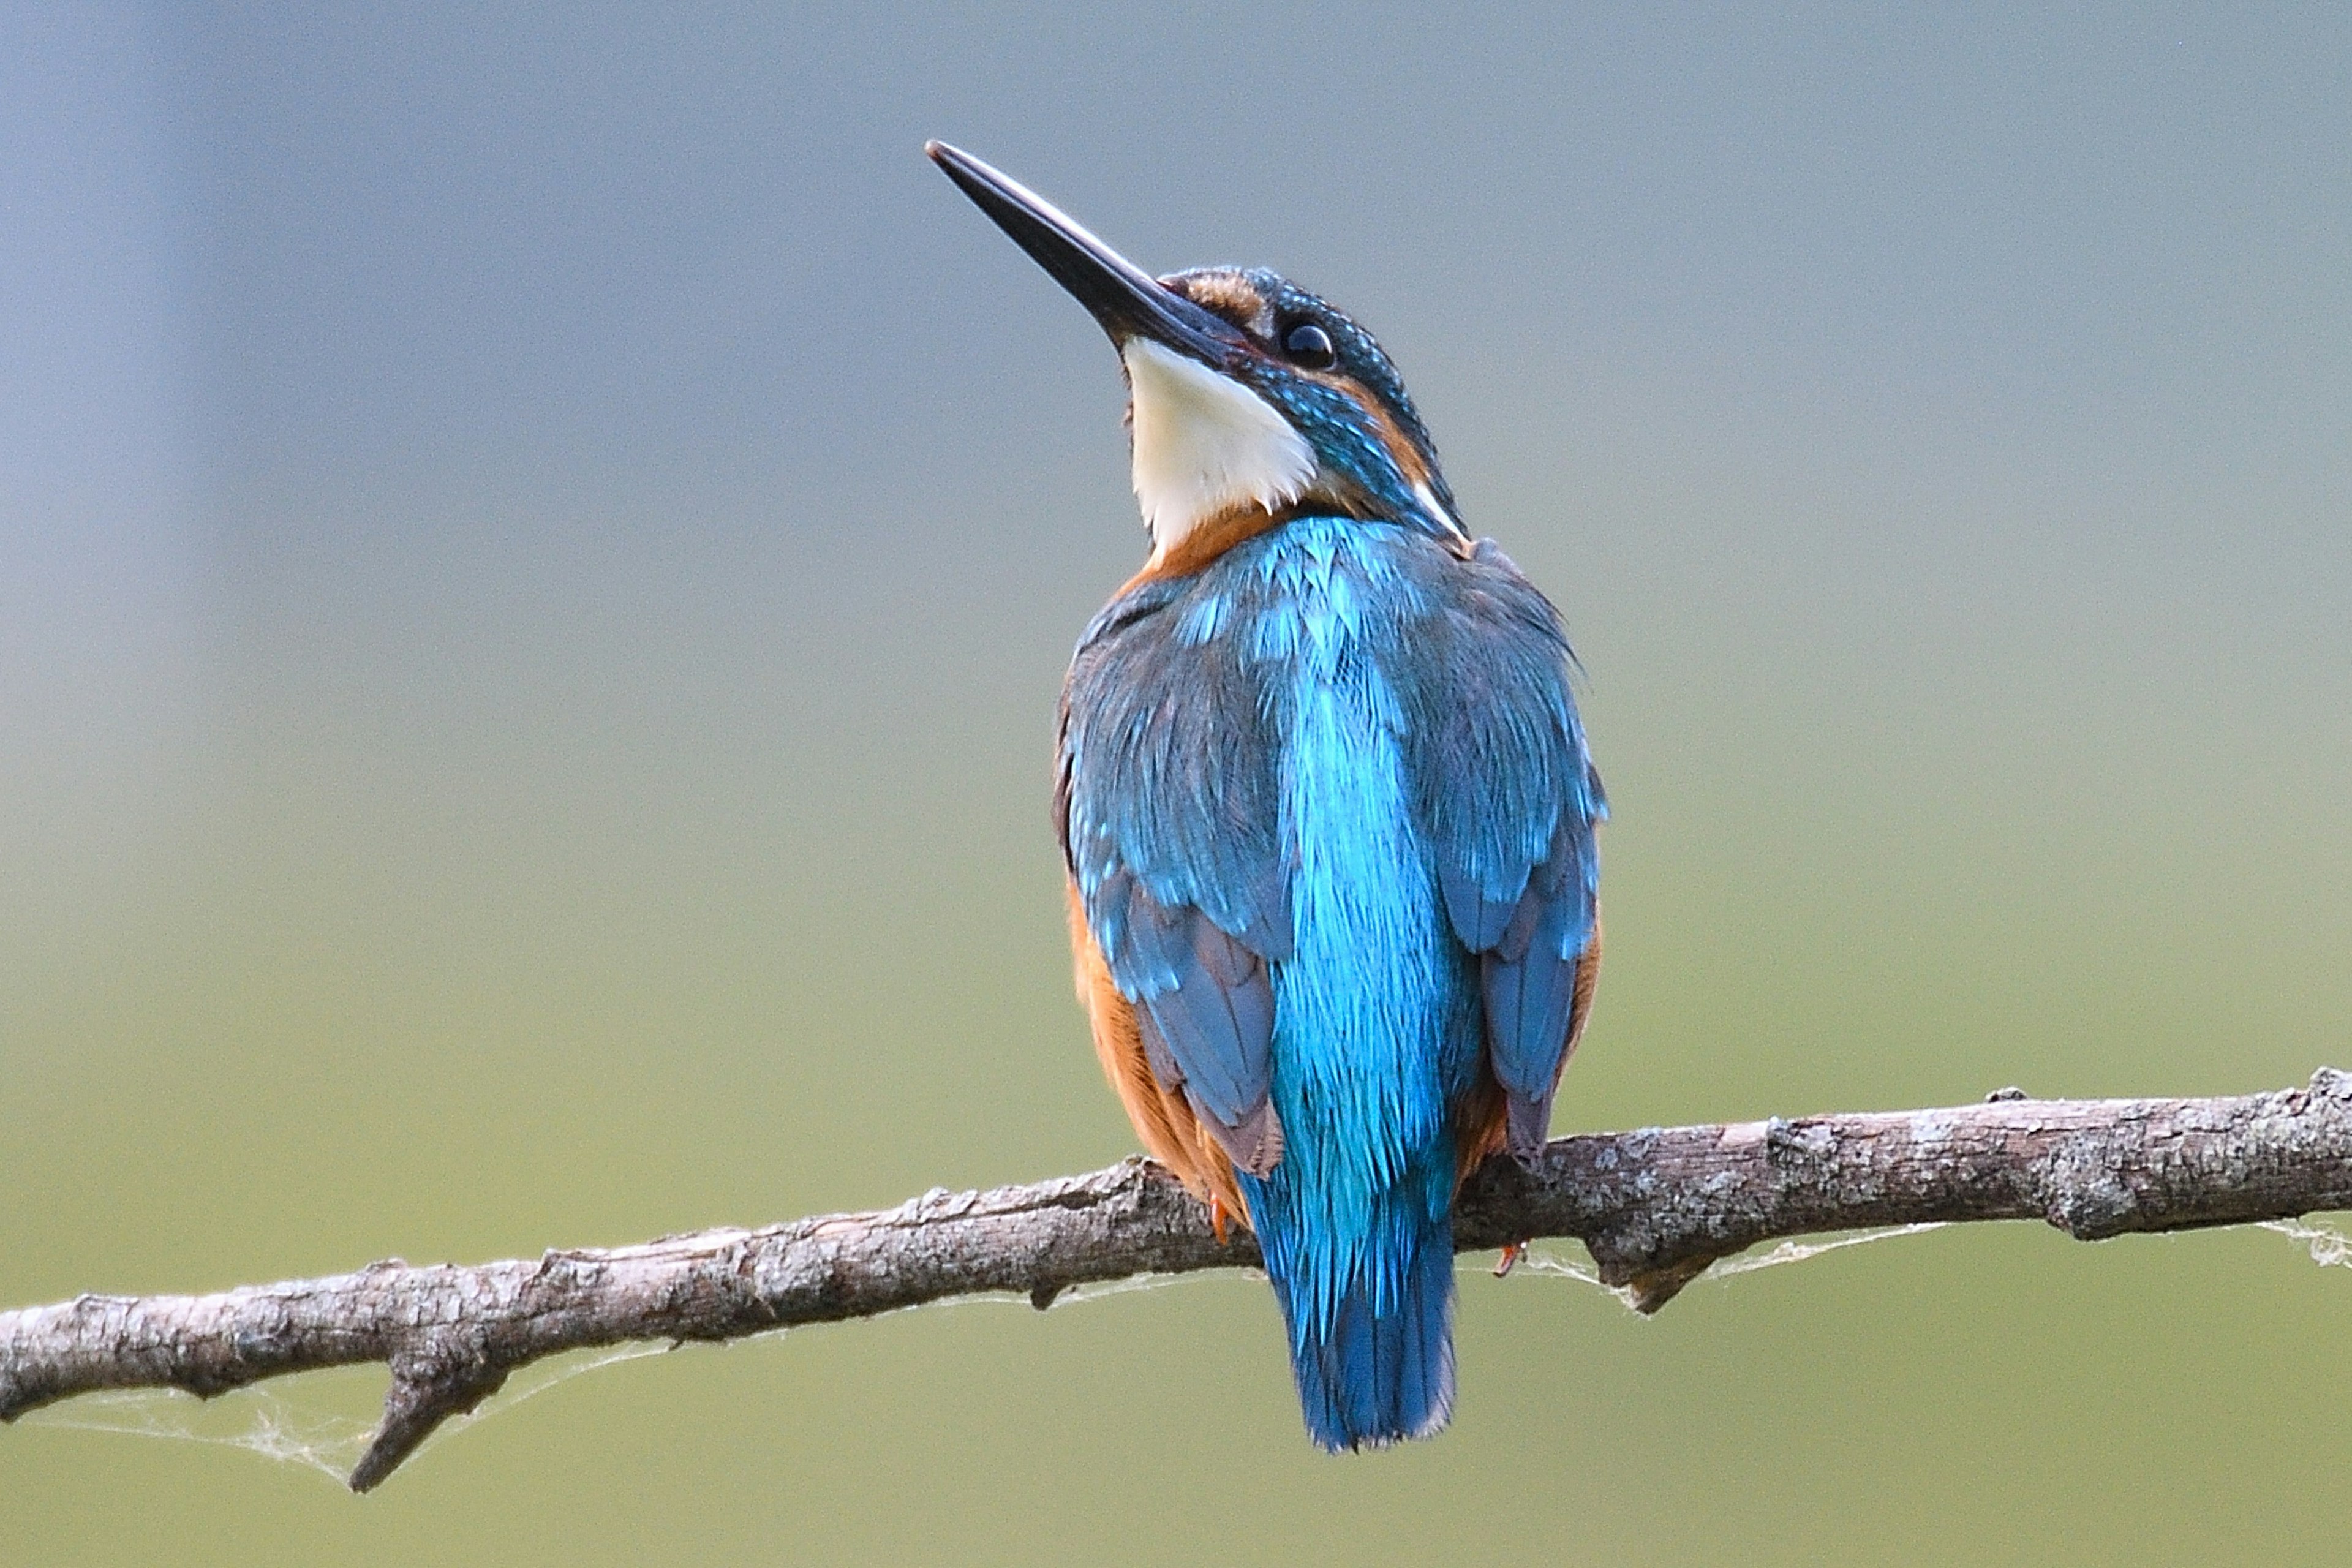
(1125, 299)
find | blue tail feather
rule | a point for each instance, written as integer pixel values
(1372, 1353)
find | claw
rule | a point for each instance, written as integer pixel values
(1512, 1253)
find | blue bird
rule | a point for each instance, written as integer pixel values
(1327, 810)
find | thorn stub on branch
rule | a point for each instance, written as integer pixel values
(1655, 1287)
(427, 1389)
(1654, 1207)
(2011, 1092)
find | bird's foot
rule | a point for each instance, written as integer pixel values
(1512, 1253)
(1217, 1217)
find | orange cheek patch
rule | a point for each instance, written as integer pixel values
(1229, 294)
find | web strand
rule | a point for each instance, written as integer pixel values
(263, 1422)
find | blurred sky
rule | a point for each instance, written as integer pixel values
(536, 556)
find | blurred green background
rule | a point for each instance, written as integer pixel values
(536, 556)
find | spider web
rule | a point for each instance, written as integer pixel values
(261, 1421)
(1550, 1265)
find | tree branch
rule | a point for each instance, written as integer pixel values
(1654, 1207)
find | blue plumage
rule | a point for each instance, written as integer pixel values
(1373, 777)
(1327, 813)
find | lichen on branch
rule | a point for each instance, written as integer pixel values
(1654, 1207)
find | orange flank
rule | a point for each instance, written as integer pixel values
(1171, 1134)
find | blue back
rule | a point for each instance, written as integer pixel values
(1328, 808)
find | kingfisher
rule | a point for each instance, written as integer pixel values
(1327, 812)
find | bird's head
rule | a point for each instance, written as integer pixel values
(1245, 392)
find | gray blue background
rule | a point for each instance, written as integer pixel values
(536, 554)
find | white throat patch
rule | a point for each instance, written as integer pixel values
(1204, 443)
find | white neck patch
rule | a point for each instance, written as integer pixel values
(1203, 443)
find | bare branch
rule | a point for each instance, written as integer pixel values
(1656, 1208)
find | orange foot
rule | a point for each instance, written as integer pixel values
(1510, 1258)
(1217, 1217)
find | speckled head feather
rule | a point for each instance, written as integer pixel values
(1268, 307)
(1246, 394)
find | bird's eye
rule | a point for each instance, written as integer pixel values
(1310, 345)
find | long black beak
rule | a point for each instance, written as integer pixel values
(1128, 301)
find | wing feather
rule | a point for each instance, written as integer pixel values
(1167, 809)
(1512, 801)
(1168, 800)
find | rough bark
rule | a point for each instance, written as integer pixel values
(1654, 1207)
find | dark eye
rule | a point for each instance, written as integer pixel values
(1310, 345)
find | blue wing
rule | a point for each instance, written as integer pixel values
(1511, 799)
(1167, 802)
